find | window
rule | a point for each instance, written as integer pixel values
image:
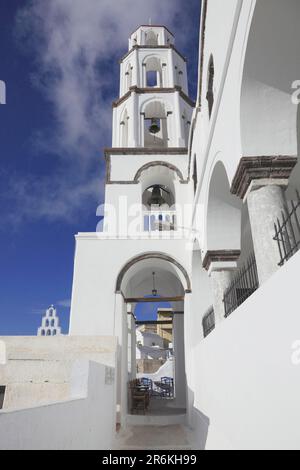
(151, 78)
(2, 393)
(210, 86)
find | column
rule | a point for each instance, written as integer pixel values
(144, 72)
(179, 121)
(221, 266)
(260, 181)
(136, 69)
(179, 369)
(171, 69)
(133, 134)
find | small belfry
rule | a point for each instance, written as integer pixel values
(50, 323)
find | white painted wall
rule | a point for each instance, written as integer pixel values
(244, 385)
(85, 422)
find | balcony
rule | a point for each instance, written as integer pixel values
(159, 221)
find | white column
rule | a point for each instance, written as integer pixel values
(265, 204)
(144, 72)
(171, 69)
(179, 124)
(179, 370)
(136, 69)
(134, 118)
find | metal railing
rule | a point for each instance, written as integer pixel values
(244, 284)
(159, 221)
(208, 322)
(287, 231)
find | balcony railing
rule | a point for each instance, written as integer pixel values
(287, 231)
(244, 284)
(208, 322)
(159, 221)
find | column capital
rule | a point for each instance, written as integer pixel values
(218, 260)
(261, 168)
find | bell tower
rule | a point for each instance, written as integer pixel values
(148, 160)
(152, 68)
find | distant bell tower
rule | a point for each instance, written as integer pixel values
(50, 323)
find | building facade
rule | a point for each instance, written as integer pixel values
(206, 195)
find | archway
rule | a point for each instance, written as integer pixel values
(156, 129)
(154, 278)
(268, 114)
(223, 219)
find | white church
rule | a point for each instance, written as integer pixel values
(205, 195)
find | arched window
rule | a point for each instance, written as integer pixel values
(43, 332)
(151, 38)
(54, 332)
(153, 72)
(48, 332)
(52, 322)
(210, 85)
(47, 323)
(156, 126)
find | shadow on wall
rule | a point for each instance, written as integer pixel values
(199, 424)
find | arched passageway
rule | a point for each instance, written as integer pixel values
(153, 288)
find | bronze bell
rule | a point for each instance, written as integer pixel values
(154, 128)
(156, 198)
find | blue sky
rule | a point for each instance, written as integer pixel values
(59, 60)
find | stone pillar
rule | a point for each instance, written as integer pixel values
(260, 181)
(265, 204)
(221, 266)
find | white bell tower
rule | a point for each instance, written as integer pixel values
(152, 68)
(151, 126)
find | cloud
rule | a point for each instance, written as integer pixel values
(64, 303)
(75, 44)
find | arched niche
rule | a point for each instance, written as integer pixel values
(269, 118)
(151, 38)
(223, 213)
(156, 112)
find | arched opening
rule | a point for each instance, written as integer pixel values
(48, 332)
(223, 220)
(47, 323)
(52, 322)
(153, 288)
(124, 129)
(269, 115)
(153, 70)
(151, 38)
(43, 332)
(54, 332)
(210, 85)
(158, 196)
(156, 125)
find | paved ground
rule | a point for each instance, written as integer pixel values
(153, 438)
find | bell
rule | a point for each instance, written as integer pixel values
(156, 198)
(154, 128)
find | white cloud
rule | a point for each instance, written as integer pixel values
(71, 41)
(64, 303)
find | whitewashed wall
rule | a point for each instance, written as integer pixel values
(84, 422)
(243, 384)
